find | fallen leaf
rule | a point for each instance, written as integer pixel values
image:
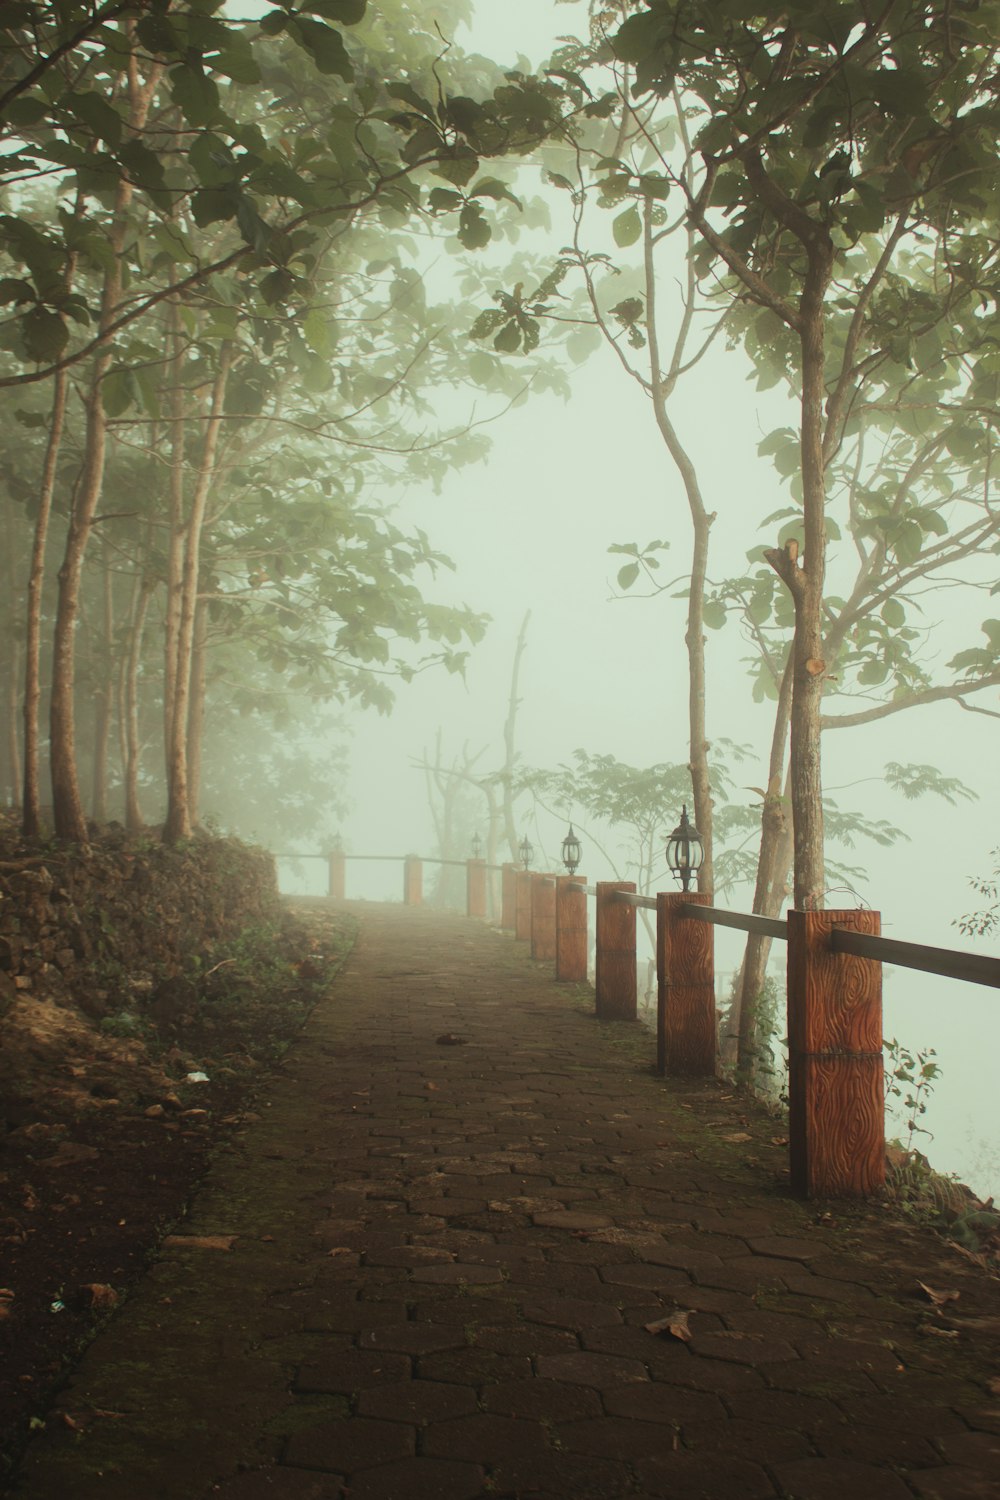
(779, 1140)
(938, 1333)
(937, 1298)
(676, 1324)
(431, 1087)
(740, 1135)
(201, 1241)
(340, 1250)
(993, 1385)
(99, 1294)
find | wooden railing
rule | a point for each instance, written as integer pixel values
(834, 993)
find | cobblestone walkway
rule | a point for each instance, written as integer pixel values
(461, 1208)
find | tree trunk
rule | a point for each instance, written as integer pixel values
(196, 716)
(31, 812)
(133, 812)
(701, 525)
(10, 753)
(510, 751)
(178, 822)
(807, 688)
(775, 835)
(70, 822)
(68, 814)
(175, 523)
(104, 704)
(804, 580)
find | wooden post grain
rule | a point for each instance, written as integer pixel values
(835, 1080)
(336, 879)
(543, 917)
(475, 888)
(685, 988)
(508, 897)
(522, 905)
(571, 929)
(615, 978)
(413, 880)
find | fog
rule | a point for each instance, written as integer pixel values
(530, 529)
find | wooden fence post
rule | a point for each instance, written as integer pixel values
(413, 880)
(685, 988)
(336, 879)
(522, 905)
(615, 979)
(508, 897)
(475, 888)
(543, 917)
(836, 1110)
(571, 928)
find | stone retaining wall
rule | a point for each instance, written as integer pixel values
(98, 925)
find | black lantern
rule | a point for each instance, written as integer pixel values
(477, 846)
(685, 851)
(571, 851)
(526, 852)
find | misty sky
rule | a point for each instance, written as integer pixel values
(530, 529)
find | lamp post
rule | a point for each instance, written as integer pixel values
(477, 846)
(571, 851)
(685, 851)
(526, 852)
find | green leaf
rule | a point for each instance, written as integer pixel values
(492, 187)
(627, 227)
(277, 286)
(714, 614)
(439, 199)
(13, 289)
(98, 115)
(44, 333)
(473, 228)
(144, 167)
(236, 60)
(486, 323)
(157, 34)
(118, 392)
(195, 94)
(213, 162)
(274, 22)
(325, 45)
(26, 111)
(210, 205)
(893, 613)
(508, 340)
(628, 575)
(347, 12)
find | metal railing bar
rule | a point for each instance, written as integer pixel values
(951, 963)
(742, 921)
(628, 898)
(396, 858)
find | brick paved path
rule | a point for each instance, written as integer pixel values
(446, 1257)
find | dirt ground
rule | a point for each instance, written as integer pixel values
(109, 1135)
